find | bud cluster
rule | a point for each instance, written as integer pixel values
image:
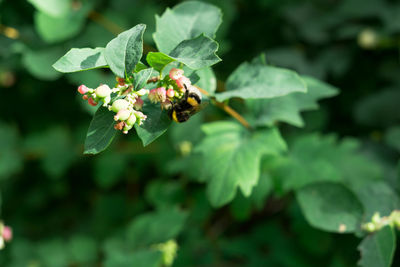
(127, 103)
(121, 99)
(5, 234)
(377, 222)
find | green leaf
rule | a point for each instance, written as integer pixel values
(139, 258)
(141, 78)
(101, 131)
(207, 80)
(392, 137)
(231, 158)
(56, 29)
(377, 249)
(54, 147)
(158, 60)
(124, 52)
(55, 8)
(155, 227)
(39, 62)
(155, 125)
(266, 112)
(82, 249)
(254, 81)
(330, 207)
(315, 158)
(11, 159)
(109, 168)
(81, 59)
(186, 21)
(196, 53)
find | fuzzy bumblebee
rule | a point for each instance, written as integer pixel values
(189, 105)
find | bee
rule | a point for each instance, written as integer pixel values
(186, 107)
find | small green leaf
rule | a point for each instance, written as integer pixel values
(141, 78)
(124, 52)
(155, 227)
(254, 81)
(231, 158)
(101, 131)
(377, 249)
(186, 21)
(196, 53)
(330, 207)
(155, 125)
(158, 60)
(81, 59)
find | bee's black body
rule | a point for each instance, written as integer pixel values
(186, 107)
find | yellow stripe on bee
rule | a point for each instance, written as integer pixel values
(174, 116)
(192, 101)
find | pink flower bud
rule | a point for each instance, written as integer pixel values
(158, 95)
(170, 93)
(140, 117)
(175, 74)
(92, 102)
(138, 104)
(82, 89)
(122, 115)
(85, 97)
(7, 233)
(182, 81)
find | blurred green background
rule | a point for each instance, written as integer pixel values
(67, 209)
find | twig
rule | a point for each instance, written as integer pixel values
(227, 109)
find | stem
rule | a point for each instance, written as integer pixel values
(227, 109)
(116, 29)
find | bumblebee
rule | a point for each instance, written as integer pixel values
(186, 107)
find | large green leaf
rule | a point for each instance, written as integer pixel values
(255, 81)
(231, 158)
(330, 207)
(39, 62)
(56, 29)
(55, 8)
(186, 21)
(101, 131)
(287, 108)
(155, 125)
(124, 51)
(315, 158)
(155, 227)
(81, 59)
(207, 81)
(377, 249)
(196, 53)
